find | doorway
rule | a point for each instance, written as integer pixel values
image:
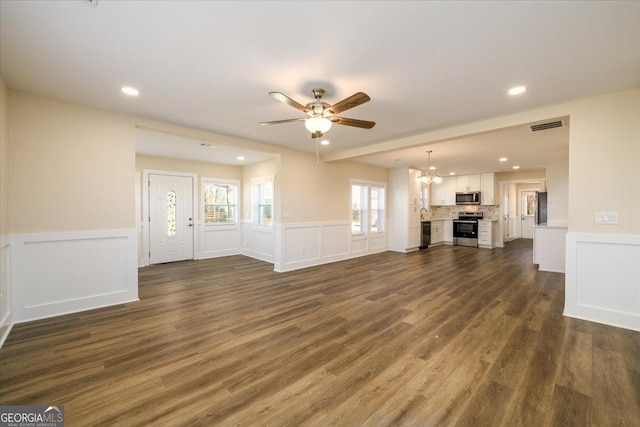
(527, 213)
(516, 221)
(170, 217)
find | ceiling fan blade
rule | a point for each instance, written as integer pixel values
(350, 102)
(284, 98)
(353, 122)
(277, 122)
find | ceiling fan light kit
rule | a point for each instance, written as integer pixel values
(428, 176)
(320, 115)
(317, 124)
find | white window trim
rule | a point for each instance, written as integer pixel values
(254, 204)
(384, 225)
(369, 184)
(229, 225)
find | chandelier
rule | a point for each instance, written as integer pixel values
(429, 176)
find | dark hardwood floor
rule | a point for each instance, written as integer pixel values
(446, 336)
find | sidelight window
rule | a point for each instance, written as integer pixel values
(172, 215)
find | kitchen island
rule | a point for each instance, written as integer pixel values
(549, 247)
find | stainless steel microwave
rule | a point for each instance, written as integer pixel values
(471, 198)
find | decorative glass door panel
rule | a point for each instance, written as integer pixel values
(170, 218)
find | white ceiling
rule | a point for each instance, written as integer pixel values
(426, 65)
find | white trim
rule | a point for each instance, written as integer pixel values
(66, 272)
(140, 225)
(6, 322)
(145, 210)
(603, 278)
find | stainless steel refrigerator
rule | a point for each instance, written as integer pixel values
(541, 207)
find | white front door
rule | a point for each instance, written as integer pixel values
(527, 213)
(170, 218)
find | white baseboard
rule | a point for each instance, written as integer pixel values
(603, 278)
(67, 272)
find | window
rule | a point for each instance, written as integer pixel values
(220, 202)
(358, 208)
(377, 209)
(367, 208)
(263, 202)
(424, 197)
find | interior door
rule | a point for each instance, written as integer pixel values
(527, 213)
(170, 218)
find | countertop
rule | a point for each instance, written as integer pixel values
(551, 226)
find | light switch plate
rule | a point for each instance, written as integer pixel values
(606, 218)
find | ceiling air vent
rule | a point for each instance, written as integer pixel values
(543, 126)
(93, 3)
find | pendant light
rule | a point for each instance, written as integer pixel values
(428, 177)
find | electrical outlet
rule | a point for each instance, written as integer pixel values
(606, 218)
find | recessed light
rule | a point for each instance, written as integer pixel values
(432, 168)
(211, 146)
(452, 173)
(325, 142)
(517, 90)
(516, 167)
(240, 157)
(502, 159)
(131, 91)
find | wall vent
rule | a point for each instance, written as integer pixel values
(543, 126)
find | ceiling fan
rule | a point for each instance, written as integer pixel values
(320, 115)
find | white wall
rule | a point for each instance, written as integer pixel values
(603, 261)
(558, 194)
(72, 243)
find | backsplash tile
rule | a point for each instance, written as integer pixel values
(451, 212)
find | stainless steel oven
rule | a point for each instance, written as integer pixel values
(465, 229)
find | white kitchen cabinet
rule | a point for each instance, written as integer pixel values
(467, 183)
(444, 194)
(437, 232)
(415, 227)
(487, 234)
(404, 210)
(414, 188)
(487, 190)
(448, 232)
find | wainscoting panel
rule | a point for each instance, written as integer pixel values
(59, 273)
(258, 242)
(603, 279)
(6, 317)
(302, 243)
(314, 243)
(219, 241)
(334, 243)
